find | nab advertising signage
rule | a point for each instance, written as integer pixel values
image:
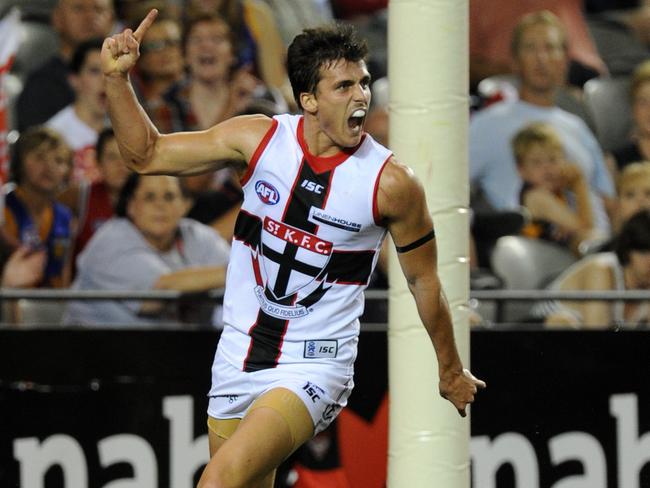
(109, 408)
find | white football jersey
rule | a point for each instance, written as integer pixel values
(306, 242)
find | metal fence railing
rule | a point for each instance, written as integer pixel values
(493, 305)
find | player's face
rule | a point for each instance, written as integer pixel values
(45, 169)
(641, 109)
(114, 171)
(542, 166)
(639, 266)
(209, 52)
(341, 101)
(156, 207)
(634, 196)
(541, 60)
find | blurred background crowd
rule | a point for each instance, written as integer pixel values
(559, 148)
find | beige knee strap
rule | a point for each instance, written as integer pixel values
(293, 411)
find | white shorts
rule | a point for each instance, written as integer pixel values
(323, 389)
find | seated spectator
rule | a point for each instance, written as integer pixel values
(638, 148)
(628, 268)
(490, 41)
(633, 195)
(47, 89)
(40, 166)
(213, 90)
(540, 58)
(148, 246)
(80, 122)
(160, 65)
(554, 190)
(633, 192)
(93, 204)
(258, 40)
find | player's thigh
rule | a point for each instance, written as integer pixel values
(216, 442)
(275, 425)
(219, 431)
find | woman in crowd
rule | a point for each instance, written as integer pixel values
(627, 268)
(257, 39)
(149, 245)
(214, 89)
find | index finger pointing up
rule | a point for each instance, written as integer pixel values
(145, 24)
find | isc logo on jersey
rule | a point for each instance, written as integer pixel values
(267, 192)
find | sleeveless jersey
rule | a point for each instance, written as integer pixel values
(306, 241)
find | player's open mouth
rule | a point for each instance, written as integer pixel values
(355, 122)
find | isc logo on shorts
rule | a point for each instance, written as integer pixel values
(321, 349)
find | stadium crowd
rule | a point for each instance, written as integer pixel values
(549, 90)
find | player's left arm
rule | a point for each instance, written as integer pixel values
(401, 203)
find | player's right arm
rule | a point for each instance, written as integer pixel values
(147, 151)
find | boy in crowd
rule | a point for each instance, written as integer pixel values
(32, 218)
(554, 191)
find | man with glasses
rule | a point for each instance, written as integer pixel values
(160, 65)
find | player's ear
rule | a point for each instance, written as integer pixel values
(308, 102)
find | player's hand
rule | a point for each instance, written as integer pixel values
(460, 389)
(121, 51)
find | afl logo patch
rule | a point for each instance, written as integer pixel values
(267, 192)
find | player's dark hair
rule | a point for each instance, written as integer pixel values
(81, 53)
(634, 236)
(315, 48)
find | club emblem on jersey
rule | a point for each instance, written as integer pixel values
(267, 192)
(292, 258)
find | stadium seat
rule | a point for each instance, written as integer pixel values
(526, 264)
(608, 102)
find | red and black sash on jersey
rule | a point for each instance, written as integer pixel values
(351, 267)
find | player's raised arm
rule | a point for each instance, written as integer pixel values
(401, 202)
(146, 150)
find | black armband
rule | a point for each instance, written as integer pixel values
(418, 243)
